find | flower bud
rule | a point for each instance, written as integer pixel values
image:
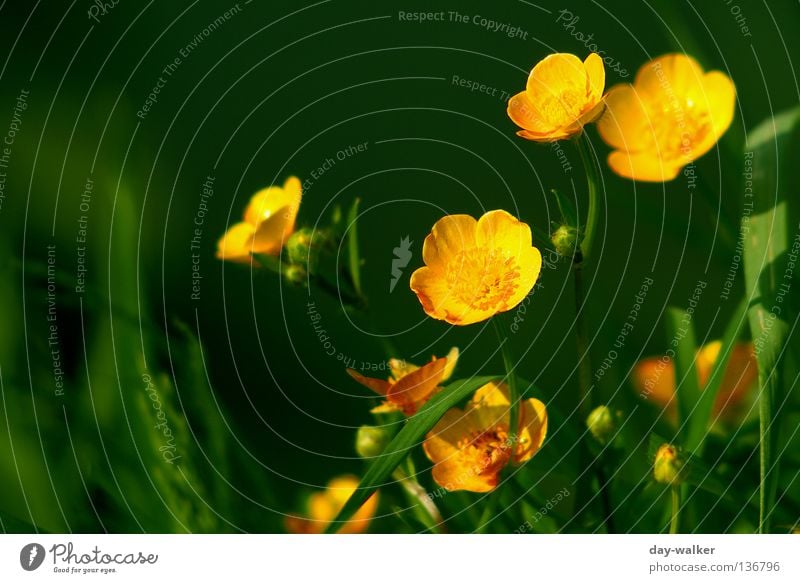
(669, 464)
(601, 424)
(565, 240)
(298, 245)
(295, 274)
(371, 441)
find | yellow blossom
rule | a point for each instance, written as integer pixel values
(470, 448)
(669, 464)
(268, 221)
(476, 269)
(562, 95)
(671, 115)
(324, 506)
(654, 378)
(409, 387)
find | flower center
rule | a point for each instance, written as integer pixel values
(679, 126)
(487, 452)
(483, 280)
(563, 108)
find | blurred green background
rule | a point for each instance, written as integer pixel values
(260, 412)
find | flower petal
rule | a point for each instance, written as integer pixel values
(380, 386)
(669, 77)
(273, 231)
(449, 235)
(524, 113)
(644, 167)
(452, 359)
(411, 391)
(718, 95)
(532, 429)
(554, 75)
(234, 245)
(596, 72)
(625, 124)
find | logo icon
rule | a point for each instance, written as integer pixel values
(402, 255)
(31, 556)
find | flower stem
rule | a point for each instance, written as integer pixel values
(513, 393)
(674, 523)
(593, 180)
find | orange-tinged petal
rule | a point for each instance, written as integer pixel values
(532, 429)
(625, 124)
(380, 386)
(442, 441)
(524, 113)
(433, 291)
(235, 244)
(596, 72)
(644, 167)
(453, 474)
(324, 506)
(449, 235)
(553, 136)
(414, 389)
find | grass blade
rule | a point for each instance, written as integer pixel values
(772, 151)
(410, 436)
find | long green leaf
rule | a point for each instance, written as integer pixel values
(698, 422)
(771, 220)
(354, 257)
(410, 436)
(683, 347)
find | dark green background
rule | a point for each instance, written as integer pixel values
(275, 91)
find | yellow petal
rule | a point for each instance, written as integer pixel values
(718, 95)
(644, 167)
(625, 124)
(556, 74)
(452, 359)
(400, 368)
(235, 244)
(523, 112)
(532, 429)
(499, 228)
(442, 441)
(493, 394)
(669, 77)
(596, 73)
(432, 291)
(449, 235)
(453, 475)
(273, 232)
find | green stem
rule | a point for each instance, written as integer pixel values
(674, 523)
(765, 461)
(427, 512)
(511, 379)
(593, 180)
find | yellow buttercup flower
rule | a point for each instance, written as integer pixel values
(470, 448)
(268, 221)
(476, 269)
(672, 114)
(410, 386)
(324, 506)
(654, 379)
(562, 95)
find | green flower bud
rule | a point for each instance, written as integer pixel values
(298, 245)
(295, 274)
(601, 424)
(669, 465)
(565, 240)
(371, 441)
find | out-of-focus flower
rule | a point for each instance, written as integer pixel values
(476, 269)
(668, 467)
(323, 507)
(562, 95)
(671, 115)
(268, 221)
(410, 386)
(470, 448)
(654, 379)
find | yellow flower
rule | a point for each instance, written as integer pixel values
(324, 506)
(672, 114)
(475, 269)
(470, 448)
(562, 95)
(654, 379)
(410, 386)
(268, 222)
